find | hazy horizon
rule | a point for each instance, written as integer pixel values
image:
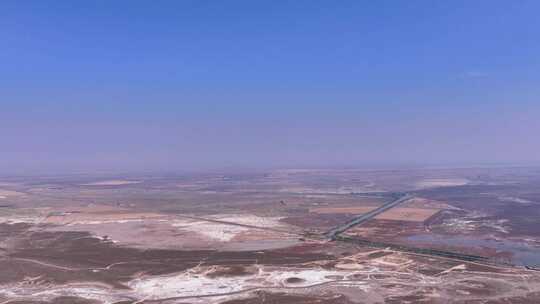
(127, 86)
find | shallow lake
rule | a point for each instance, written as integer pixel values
(522, 253)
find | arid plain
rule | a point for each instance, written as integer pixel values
(283, 236)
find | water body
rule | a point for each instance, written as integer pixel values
(522, 253)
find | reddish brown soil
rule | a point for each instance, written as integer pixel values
(321, 222)
(294, 280)
(72, 256)
(10, 230)
(481, 268)
(531, 298)
(395, 214)
(230, 271)
(59, 300)
(413, 298)
(378, 254)
(386, 231)
(282, 298)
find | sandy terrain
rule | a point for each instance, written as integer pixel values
(139, 233)
(9, 193)
(152, 230)
(396, 214)
(252, 236)
(261, 237)
(418, 202)
(92, 208)
(191, 283)
(26, 215)
(210, 230)
(99, 218)
(112, 182)
(253, 220)
(441, 182)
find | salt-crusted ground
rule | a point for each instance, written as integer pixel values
(238, 232)
(361, 274)
(196, 283)
(211, 230)
(223, 232)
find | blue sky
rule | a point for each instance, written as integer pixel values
(173, 85)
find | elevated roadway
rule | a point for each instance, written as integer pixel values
(332, 234)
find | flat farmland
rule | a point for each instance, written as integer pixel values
(394, 214)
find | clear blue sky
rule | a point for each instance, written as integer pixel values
(153, 85)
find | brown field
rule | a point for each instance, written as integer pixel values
(395, 214)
